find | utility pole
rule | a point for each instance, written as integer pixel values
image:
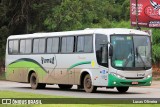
(138, 28)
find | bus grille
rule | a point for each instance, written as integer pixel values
(134, 77)
(130, 83)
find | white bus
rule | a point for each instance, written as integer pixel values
(112, 58)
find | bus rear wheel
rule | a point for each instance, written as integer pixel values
(122, 89)
(34, 82)
(88, 87)
(64, 86)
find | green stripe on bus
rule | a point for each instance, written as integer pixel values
(28, 60)
(19, 65)
(77, 64)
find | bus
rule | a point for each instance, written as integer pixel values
(113, 58)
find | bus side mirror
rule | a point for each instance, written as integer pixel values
(111, 50)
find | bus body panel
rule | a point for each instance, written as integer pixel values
(67, 68)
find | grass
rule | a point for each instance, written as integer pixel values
(12, 94)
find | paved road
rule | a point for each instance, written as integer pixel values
(134, 92)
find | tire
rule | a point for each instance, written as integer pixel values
(64, 86)
(122, 89)
(34, 82)
(88, 87)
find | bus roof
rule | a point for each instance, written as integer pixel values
(107, 31)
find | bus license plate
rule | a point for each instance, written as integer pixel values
(134, 83)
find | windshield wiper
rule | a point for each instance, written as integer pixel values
(138, 54)
(128, 59)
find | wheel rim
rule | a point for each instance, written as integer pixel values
(88, 83)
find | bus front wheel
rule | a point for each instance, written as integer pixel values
(122, 89)
(88, 87)
(65, 87)
(34, 82)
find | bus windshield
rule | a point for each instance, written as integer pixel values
(131, 52)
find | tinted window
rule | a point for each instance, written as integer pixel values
(41, 45)
(88, 44)
(80, 45)
(25, 46)
(102, 50)
(64, 43)
(49, 45)
(55, 45)
(85, 44)
(67, 44)
(10, 47)
(70, 44)
(35, 45)
(52, 45)
(15, 46)
(28, 46)
(22, 46)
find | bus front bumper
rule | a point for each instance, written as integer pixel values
(114, 81)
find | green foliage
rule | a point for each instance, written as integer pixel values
(4, 32)
(29, 16)
(66, 16)
(156, 46)
(121, 24)
(156, 53)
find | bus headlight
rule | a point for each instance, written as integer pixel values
(148, 76)
(117, 75)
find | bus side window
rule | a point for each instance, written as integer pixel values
(10, 47)
(28, 46)
(22, 46)
(80, 44)
(25, 46)
(88, 46)
(41, 45)
(63, 45)
(35, 45)
(53, 45)
(85, 43)
(70, 44)
(67, 44)
(100, 41)
(49, 45)
(14, 47)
